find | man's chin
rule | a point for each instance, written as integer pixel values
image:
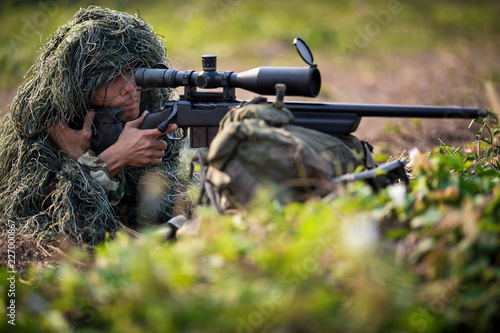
(129, 115)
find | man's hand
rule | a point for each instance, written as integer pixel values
(73, 142)
(136, 147)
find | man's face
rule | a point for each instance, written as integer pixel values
(121, 93)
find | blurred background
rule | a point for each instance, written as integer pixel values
(378, 51)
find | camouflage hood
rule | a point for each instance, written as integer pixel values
(95, 46)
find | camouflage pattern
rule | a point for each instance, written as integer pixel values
(98, 171)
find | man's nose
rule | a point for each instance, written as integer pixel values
(130, 85)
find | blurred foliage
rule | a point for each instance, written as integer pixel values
(250, 33)
(489, 138)
(422, 259)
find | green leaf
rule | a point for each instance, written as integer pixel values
(430, 217)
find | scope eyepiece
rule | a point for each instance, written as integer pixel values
(156, 77)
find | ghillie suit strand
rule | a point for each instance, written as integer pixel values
(94, 47)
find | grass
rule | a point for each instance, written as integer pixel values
(424, 259)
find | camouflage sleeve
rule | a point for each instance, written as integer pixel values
(98, 171)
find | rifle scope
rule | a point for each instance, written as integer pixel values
(299, 81)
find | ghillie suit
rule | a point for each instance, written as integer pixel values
(43, 191)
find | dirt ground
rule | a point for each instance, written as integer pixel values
(443, 78)
(27, 251)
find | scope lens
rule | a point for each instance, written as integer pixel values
(315, 82)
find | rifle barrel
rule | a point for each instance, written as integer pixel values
(389, 110)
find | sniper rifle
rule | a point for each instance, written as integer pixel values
(202, 110)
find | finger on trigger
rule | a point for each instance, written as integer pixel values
(170, 129)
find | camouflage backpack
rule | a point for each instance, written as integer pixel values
(258, 145)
